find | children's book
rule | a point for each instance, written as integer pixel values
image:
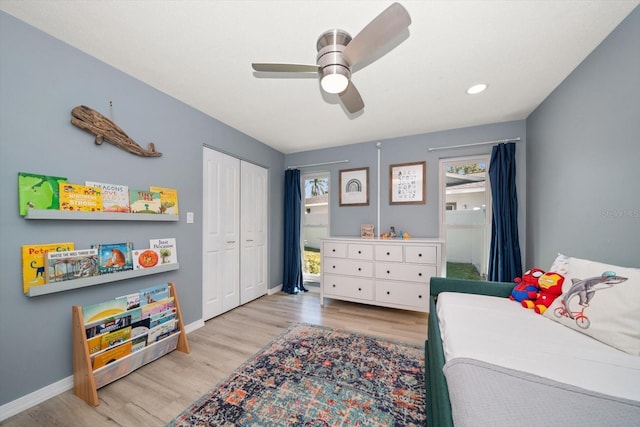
(69, 265)
(168, 199)
(80, 198)
(145, 258)
(115, 197)
(111, 355)
(114, 338)
(158, 307)
(104, 310)
(38, 192)
(166, 248)
(33, 262)
(114, 257)
(154, 294)
(161, 331)
(113, 323)
(144, 201)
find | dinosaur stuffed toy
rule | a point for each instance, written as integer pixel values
(550, 289)
(527, 287)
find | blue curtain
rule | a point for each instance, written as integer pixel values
(292, 282)
(505, 262)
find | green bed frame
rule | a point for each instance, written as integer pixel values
(438, 403)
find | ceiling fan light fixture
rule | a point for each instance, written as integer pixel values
(335, 79)
(476, 89)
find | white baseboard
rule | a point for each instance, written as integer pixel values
(275, 290)
(30, 400)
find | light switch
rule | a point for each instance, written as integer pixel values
(189, 217)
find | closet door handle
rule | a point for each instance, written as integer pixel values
(231, 241)
(249, 240)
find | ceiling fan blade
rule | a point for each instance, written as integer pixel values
(286, 68)
(389, 24)
(351, 99)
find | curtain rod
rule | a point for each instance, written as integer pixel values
(317, 164)
(477, 143)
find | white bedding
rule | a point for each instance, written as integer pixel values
(500, 331)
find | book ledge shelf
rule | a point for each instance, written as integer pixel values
(97, 216)
(86, 381)
(68, 285)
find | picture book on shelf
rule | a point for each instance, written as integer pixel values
(111, 355)
(161, 331)
(154, 308)
(114, 257)
(145, 258)
(114, 338)
(144, 201)
(69, 265)
(154, 294)
(166, 248)
(168, 199)
(38, 192)
(80, 198)
(118, 321)
(33, 262)
(115, 197)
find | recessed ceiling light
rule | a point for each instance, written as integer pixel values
(475, 89)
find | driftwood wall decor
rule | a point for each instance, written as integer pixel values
(104, 129)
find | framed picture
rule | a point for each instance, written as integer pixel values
(354, 187)
(366, 231)
(407, 183)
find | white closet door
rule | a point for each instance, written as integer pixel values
(221, 233)
(253, 233)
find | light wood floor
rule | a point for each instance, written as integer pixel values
(154, 394)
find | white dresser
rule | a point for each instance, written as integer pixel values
(391, 273)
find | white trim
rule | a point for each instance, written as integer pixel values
(52, 390)
(272, 291)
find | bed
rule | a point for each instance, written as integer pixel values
(491, 362)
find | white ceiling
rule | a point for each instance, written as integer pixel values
(200, 52)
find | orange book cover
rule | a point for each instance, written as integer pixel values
(77, 197)
(33, 262)
(111, 355)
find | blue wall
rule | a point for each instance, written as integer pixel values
(583, 158)
(41, 81)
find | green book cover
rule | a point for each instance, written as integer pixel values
(38, 192)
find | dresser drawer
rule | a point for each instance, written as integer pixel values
(389, 253)
(357, 251)
(421, 254)
(351, 267)
(408, 272)
(407, 294)
(350, 287)
(334, 249)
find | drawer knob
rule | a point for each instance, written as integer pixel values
(419, 255)
(388, 253)
(333, 250)
(359, 269)
(388, 272)
(388, 293)
(333, 266)
(359, 289)
(334, 285)
(419, 296)
(359, 252)
(420, 274)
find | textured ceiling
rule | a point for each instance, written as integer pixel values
(200, 52)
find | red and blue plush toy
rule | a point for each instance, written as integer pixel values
(527, 287)
(550, 288)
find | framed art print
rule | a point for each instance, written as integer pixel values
(354, 187)
(407, 183)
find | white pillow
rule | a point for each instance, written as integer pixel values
(603, 300)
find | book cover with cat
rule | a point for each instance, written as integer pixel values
(115, 197)
(144, 201)
(33, 262)
(168, 199)
(80, 198)
(38, 192)
(69, 265)
(114, 257)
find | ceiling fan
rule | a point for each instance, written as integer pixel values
(338, 52)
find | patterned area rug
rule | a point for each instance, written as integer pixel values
(316, 376)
